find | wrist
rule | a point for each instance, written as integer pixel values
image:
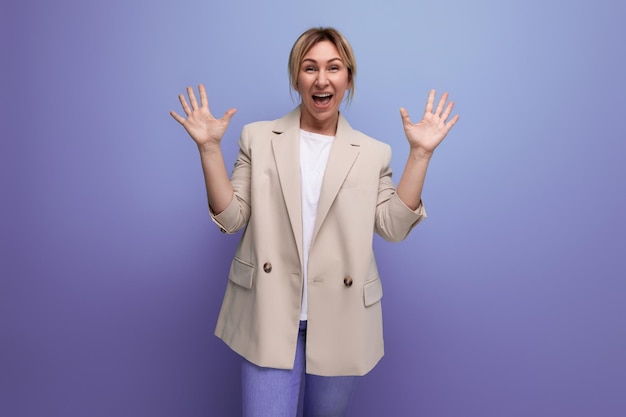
(209, 148)
(420, 153)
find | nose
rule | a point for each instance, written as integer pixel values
(321, 80)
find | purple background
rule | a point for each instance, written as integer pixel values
(510, 300)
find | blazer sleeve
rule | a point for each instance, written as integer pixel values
(394, 219)
(236, 215)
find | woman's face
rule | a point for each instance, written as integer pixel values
(322, 83)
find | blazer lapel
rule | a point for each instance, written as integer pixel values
(343, 154)
(286, 149)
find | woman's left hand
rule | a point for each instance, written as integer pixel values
(425, 135)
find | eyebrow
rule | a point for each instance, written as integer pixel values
(314, 61)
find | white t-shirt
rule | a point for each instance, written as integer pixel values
(314, 151)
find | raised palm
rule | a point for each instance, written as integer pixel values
(428, 133)
(201, 125)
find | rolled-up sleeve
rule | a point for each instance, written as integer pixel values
(236, 215)
(394, 219)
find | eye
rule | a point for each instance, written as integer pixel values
(309, 69)
(334, 68)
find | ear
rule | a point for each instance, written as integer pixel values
(296, 87)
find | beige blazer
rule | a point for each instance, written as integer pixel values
(260, 313)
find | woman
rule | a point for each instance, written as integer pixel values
(303, 296)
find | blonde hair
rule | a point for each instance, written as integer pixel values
(313, 36)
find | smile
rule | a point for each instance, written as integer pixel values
(322, 98)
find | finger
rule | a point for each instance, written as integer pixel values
(448, 110)
(430, 102)
(452, 122)
(183, 102)
(204, 100)
(192, 98)
(442, 102)
(406, 120)
(177, 117)
(228, 115)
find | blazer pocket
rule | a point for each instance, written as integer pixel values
(372, 292)
(241, 273)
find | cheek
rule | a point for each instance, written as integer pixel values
(344, 82)
(302, 84)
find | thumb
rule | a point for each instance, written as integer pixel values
(405, 116)
(228, 115)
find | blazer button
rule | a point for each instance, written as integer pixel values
(267, 267)
(347, 281)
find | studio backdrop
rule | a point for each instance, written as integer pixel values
(508, 301)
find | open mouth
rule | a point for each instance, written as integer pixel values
(322, 99)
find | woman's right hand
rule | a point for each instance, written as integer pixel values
(204, 129)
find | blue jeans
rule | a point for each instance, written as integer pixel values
(268, 392)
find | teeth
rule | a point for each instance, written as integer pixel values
(322, 95)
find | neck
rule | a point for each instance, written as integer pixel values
(323, 127)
